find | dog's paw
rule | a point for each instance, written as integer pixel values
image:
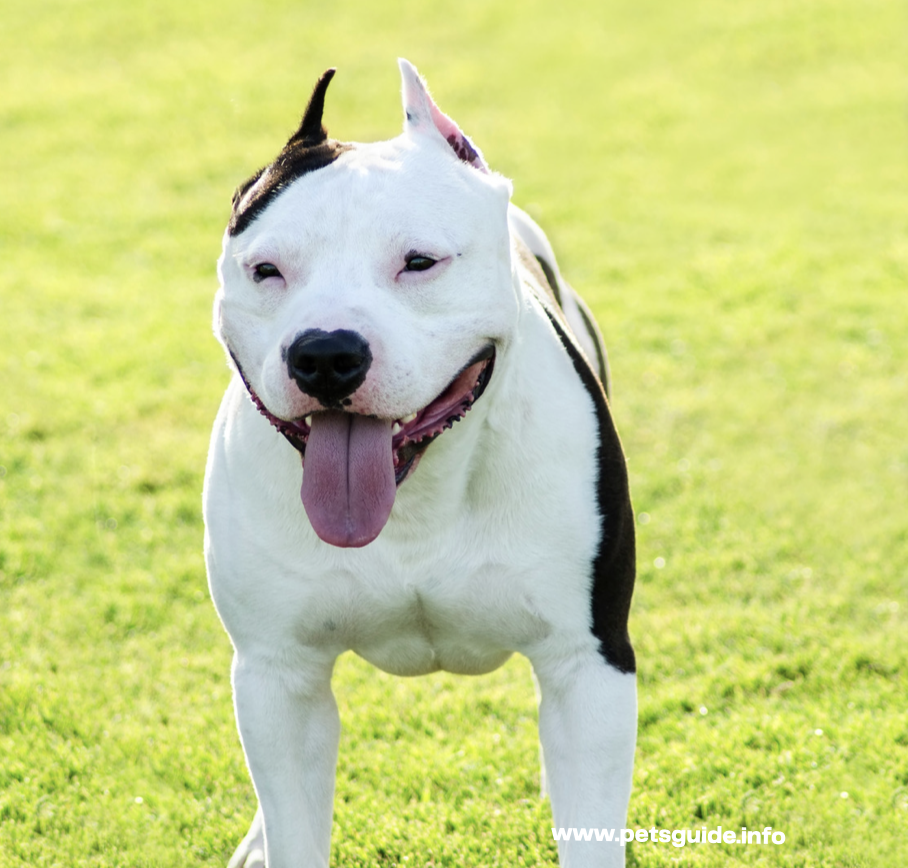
(251, 852)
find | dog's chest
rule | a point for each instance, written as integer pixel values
(463, 617)
(487, 551)
(463, 589)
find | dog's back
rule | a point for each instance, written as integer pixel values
(543, 269)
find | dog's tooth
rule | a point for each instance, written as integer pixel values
(308, 420)
(395, 428)
(407, 419)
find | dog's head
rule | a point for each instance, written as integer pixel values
(366, 290)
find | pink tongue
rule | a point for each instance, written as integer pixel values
(348, 477)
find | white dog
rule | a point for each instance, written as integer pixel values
(371, 296)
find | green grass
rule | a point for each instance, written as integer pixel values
(726, 183)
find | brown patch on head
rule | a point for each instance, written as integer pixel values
(307, 150)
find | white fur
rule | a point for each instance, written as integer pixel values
(490, 541)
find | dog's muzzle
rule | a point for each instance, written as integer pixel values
(353, 463)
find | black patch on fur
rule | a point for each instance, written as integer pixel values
(591, 329)
(600, 353)
(550, 278)
(307, 150)
(614, 567)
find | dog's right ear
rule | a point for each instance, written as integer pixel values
(312, 131)
(423, 116)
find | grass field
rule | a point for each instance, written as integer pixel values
(728, 186)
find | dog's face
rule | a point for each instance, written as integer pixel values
(366, 291)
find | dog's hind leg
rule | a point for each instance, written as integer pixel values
(587, 725)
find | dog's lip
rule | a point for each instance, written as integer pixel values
(451, 404)
(410, 438)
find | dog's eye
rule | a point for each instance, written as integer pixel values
(263, 271)
(419, 263)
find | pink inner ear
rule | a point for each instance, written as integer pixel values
(444, 124)
(452, 133)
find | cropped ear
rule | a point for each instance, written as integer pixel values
(421, 115)
(312, 131)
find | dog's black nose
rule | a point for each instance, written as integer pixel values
(329, 365)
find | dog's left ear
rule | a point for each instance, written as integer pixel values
(423, 116)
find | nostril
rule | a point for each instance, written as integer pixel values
(306, 365)
(346, 363)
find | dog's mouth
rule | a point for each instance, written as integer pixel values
(354, 463)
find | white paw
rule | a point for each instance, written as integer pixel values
(251, 852)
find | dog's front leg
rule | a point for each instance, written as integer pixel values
(588, 727)
(289, 726)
